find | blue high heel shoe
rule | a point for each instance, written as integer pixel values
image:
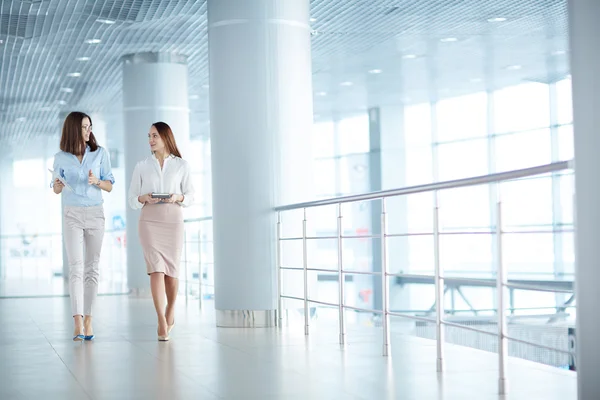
(88, 338)
(78, 338)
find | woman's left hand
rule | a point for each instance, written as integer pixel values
(92, 180)
(173, 199)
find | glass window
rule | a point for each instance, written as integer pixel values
(523, 150)
(462, 117)
(420, 254)
(529, 299)
(567, 191)
(464, 254)
(522, 107)
(564, 101)
(528, 254)
(420, 212)
(31, 173)
(354, 135)
(322, 219)
(568, 251)
(465, 208)
(324, 175)
(565, 143)
(196, 147)
(354, 174)
(527, 202)
(417, 125)
(463, 159)
(419, 165)
(323, 140)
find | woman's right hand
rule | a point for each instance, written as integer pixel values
(147, 199)
(58, 186)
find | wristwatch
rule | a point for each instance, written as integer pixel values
(98, 183)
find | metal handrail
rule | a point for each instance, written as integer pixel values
(430, 187)
(500, 281)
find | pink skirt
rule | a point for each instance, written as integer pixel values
(161, 236)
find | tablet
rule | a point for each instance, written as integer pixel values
(160, 195)
(60, 178)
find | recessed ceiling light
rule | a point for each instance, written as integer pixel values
(93, 41)
(194, 97)
(83, 59)
(514, 67)
(558, 52)
(409, 56)
(21, 119)
(74, 74)
(66, 90)
(321, 94)
(375, 71)
(449, 39)
(347, 83)
(497, 19)
(105, 21)
(1, 41)
(62, 102)
(313, 19)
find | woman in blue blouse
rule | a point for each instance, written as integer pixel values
(81, 171)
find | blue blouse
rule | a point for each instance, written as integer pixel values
(75, 173)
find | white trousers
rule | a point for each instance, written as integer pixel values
(83, 233)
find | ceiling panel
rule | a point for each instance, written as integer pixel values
(365, 52)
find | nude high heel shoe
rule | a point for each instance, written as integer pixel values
(163, 338)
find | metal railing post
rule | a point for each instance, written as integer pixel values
(384, 282)
(501, 281)
(279, 321)
(341, 279)
(185, 265)
(439, 286)
(200, 276)
(305, 262)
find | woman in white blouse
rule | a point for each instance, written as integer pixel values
(161, 221)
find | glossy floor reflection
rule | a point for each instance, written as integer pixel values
(38, 360)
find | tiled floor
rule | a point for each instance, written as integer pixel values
(39, 361)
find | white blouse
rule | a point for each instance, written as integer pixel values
(174, 178)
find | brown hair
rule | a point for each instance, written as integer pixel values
(71, 140)
(166, 134)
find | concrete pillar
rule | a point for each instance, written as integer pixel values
(261, 118)
(585, 63)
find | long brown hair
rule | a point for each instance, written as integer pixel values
(71, 140)
(166, 134)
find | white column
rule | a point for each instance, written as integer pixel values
(155, 88)
(261, 119)
(585, 64)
